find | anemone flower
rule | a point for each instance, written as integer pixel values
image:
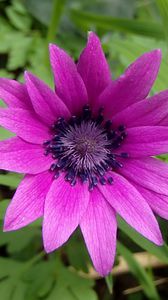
(87, 150)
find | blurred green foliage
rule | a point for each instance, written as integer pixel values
(127, 28)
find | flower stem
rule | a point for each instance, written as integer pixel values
(57, 8)
(109, 282)
(35, 258)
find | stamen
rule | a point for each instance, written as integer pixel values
(102, 180)
(84, 148)
(110, 180)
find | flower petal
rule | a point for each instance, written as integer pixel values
(46, 103)
(151, 111)
(148, 172)
(64, 207)
(69, 85)
(19, 156)
(27, 204)
(157, 202)
(24, 124)
(14, 94)
(145, 141)
(132, 207)
(99, 228)
(133, 86)
(94, 68)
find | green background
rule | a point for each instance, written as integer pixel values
(127, 29)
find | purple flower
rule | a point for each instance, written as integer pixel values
(87, 151)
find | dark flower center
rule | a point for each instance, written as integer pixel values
(84, 148)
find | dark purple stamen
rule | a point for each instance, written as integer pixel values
(84, 148)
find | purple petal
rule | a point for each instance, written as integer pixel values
(148, 172)
(99, 228)
(69, 85)
(27, 204)
(151, 111)
(64, 207)
(134, 85)
(94, 68)
(46, 103)
(24, 124)
(145, 141)
(14, 94)
(157, 202)
(19, 156)
(132, 207)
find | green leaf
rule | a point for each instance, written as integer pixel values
(6, 288)
(17, 241)
(115, 8)
(37, 55)
(61, 293)
(5, 73)
(11, 288)
(163, 8)
(126, 53)
(5, 134)
(9, 267)
(40, 278)
(3, 206)
(10, 179)
(19, 51)
(139, 272)
(159, 251)
(79, 287)
(40, 9)
(18, 16)
(19, 292)
(5, 30)
(77, 253)
(58, 282)
(88, 20)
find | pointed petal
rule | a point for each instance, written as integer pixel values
(24, 124)
(151, 111)
(132, 207)
(99, 228)
(94, 68)
(46, 103)
(149, 172)
(145, 141)
(134, 85)
(64, 207)
(27, 204)
(19, 156)
(157, 202)
(14, 94)
(69, 85)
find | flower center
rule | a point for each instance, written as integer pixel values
(84, 148)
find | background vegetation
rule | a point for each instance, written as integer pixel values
(127, 28)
